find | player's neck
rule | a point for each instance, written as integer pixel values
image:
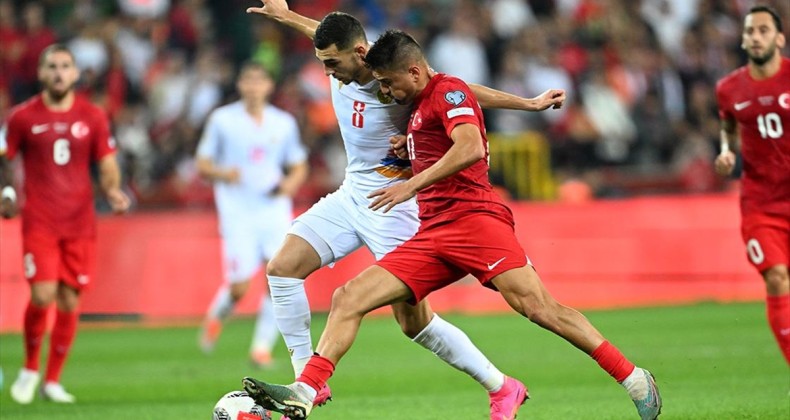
(767, 69)
(61, 104)
(425, 80)
(255, 110)
(365, 77)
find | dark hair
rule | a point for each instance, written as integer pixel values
(340, 29)
(251, 65)
(771, 11)
(394, 50)
(53, 49)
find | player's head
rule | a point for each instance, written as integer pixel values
(57, 71)
(340, 43)
(254, 82)
(762, 34)
(398, 63)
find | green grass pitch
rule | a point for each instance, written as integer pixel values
(712, 362)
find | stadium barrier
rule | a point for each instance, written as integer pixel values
(602, 254)
(522, 165)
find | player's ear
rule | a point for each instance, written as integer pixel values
(780, 40)
(361, 50)
(414, 72)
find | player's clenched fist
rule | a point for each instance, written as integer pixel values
(398, 146)
(724, 163)
(119, 201)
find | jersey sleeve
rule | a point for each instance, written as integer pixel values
(295, 151)
(104, 142)
(11, 136)
(455, 103)
(208, 147)
(723, 102)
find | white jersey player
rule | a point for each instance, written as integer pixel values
(252, 152)
(342, 222)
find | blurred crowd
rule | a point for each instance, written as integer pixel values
(640, 75)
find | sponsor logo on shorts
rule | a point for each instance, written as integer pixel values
(492, 266)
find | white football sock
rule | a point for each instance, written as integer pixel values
(292, 312)
(636, 384)
(222, 305)
(454, 347)
(265, 326)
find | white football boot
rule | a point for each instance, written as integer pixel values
(24, 388)
(53, 391)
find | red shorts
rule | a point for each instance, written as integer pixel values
(479, 244)
(767, 240)
(48, 257)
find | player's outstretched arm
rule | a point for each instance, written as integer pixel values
(110, 181)
(278, 10)
(725, 161)
(8, 205)
(491, 98)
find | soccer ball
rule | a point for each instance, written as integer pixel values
(238, 405)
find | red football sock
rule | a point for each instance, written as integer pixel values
(60, 343)
(317, 372)
(778, 308)
(35, 325)
(612, 361)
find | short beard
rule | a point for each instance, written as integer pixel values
(58, 96)
(760, 60)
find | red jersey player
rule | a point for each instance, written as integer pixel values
(59, 134)
(464, 228)
(756, 99)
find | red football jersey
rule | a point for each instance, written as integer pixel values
(762, 110)
(57, 150)
(445, 103)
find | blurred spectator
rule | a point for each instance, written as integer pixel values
(145, 8)
(35, 36)
(460, 51)
(640, 115)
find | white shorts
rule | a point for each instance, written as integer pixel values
(341, 222)
(247, 247)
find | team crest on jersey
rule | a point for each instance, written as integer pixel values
(79, 129)
(416, 120)
(766, 100)
(383, 98)
(455, 97)
(784, 100)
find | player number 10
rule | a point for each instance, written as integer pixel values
(770, 125)
(410, 146)
(61, 153)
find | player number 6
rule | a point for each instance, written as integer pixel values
(61, 153)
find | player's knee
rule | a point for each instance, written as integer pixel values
(777, 280)
(281, 267)
(238, 290)
(42, 297)
(340, 300)
(343, 301)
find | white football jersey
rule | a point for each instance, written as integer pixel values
(261, 153)
(367, 120)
